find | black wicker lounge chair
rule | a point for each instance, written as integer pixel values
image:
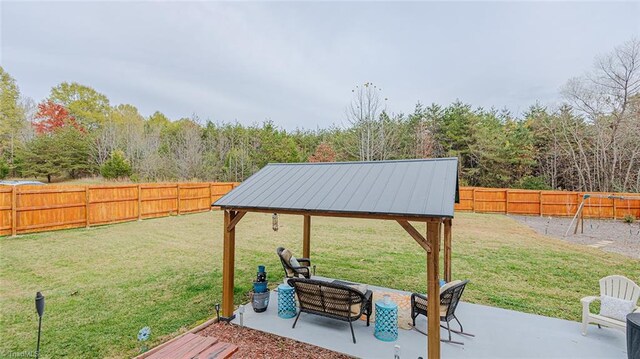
(449, 299)
(293, 271)
(331, 300)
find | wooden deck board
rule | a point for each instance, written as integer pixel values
(178, 352)
(208, 342)
(192, 346)
(169, 348)
(218, 351)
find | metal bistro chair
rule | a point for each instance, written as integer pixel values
(450, 295)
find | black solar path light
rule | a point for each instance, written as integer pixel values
(40, 310)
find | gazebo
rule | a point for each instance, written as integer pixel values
(418, 191)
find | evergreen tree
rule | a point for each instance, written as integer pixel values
(64, 151)
(41, 157)
(117, 166)
(4, 168)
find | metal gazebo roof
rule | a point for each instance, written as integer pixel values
(416, 188)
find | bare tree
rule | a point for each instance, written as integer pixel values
(105, 143)
(152, 165)
(606, 97)
(189, 152)
(367, 116)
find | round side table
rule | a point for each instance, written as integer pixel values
(386, 321)
(286, 301)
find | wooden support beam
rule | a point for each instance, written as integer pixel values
(228, 265)
(392, 217)
(306, 237)
(235, 220)
(416, 235)
(447, 250)
(433, 291)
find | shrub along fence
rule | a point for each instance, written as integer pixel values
(26, 209)
(547, 203)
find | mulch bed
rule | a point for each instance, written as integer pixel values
(256, 344)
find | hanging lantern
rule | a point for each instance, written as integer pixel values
(274, 222)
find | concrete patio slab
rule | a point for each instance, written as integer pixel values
(499, 333)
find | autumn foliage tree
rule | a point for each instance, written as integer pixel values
(324, 153)
(61, 146)
(52, 116)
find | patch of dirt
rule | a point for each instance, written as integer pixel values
(608, 235)
(256, 344)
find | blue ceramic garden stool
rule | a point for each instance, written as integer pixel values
(386, 321)
(286, 301)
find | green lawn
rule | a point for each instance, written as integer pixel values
(103, 284)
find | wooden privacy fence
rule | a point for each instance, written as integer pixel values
(546, 203)
(25, 209)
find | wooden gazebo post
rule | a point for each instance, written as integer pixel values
(431, 245)
(231, 218)
(306, 236)
(447, 250)
(433, 289)
(228, 259)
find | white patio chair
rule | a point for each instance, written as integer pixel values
(615, 286)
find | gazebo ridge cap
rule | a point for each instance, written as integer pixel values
(363, 162)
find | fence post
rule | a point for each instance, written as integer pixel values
(540, 203)
(139, 202)
(210, 194)
(473, 199)
(86, 205)
(506, 201)
(14, 211)
(178, 197)
(614, 206)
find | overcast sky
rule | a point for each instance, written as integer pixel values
(296, 63)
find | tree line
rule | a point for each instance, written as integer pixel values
(590, 142)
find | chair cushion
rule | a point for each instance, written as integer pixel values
(615, 308)
(422, 305)
(449, 285)
(294, 262)
(336, 301)
(286, 255)
(355, 308)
